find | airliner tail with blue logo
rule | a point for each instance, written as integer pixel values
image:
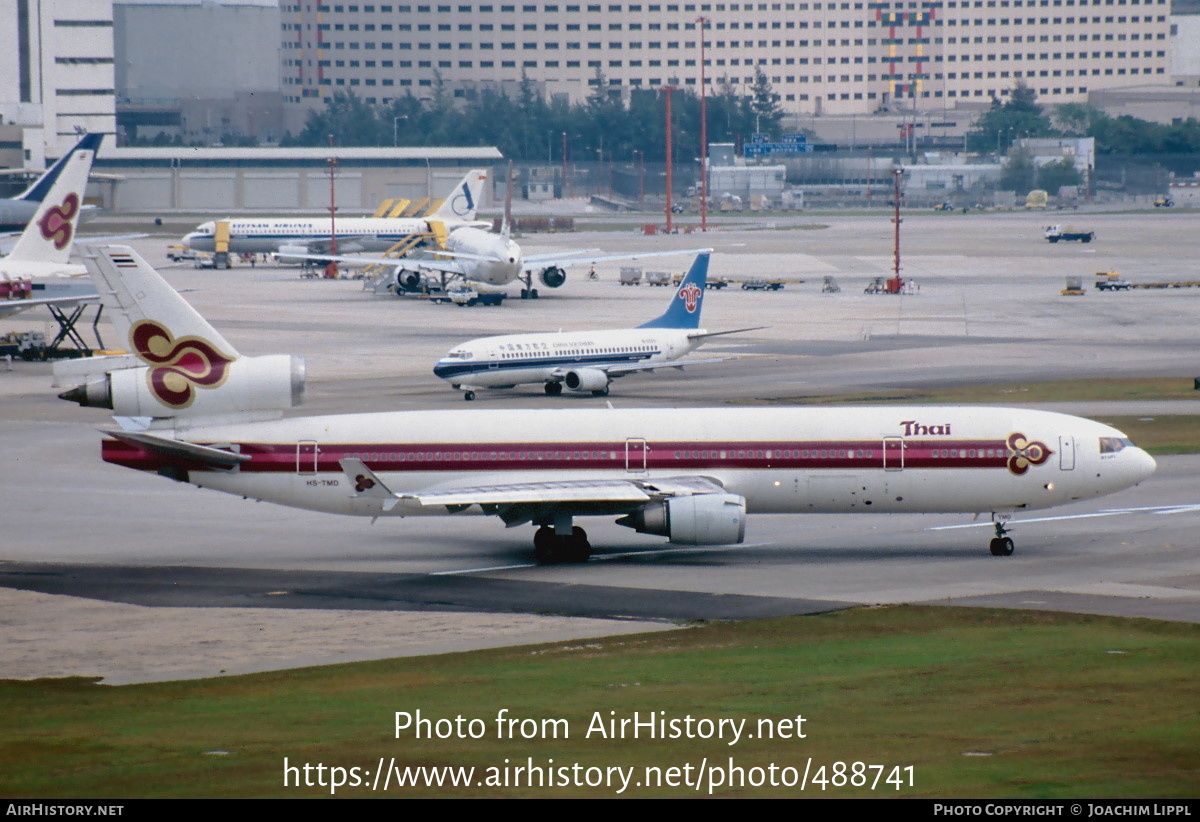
(586, 362)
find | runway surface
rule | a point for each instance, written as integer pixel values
(988, 311)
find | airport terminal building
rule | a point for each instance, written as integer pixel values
(822, 57)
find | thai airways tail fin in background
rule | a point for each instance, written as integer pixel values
(686, 303)
(463, 200)
(38, 191)
(48, 237)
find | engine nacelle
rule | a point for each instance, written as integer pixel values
(586, 379)
(248, 384)
(407, 280)
(553, 277)
(702, 519)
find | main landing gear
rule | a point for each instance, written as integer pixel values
(553, 389)
(1001, 545)
(551, 547)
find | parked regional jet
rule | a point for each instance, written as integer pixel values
(305, 236)
(17, 212)
(586, 360)
(196, 411)
(37, 271)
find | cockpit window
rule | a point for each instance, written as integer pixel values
(459, 355)
(1111, 445)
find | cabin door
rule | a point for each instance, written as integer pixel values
(636, 450)
(1066, 453)
(306, 457)
(893, 453)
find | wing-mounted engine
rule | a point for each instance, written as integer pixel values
(586, 379)
(408, 280)
(552, 277)
(245, 388)
(700, 519)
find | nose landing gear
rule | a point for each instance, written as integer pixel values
(1001, 545)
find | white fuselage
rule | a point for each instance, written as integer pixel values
(270, 235)
(519, 359)
(495, 259)
(36, 269)
(781, 460)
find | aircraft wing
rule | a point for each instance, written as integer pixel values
(564, 259)
(10, 307)
(510, 499)
(632, 368)
(364, 260)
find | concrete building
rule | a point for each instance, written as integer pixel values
(199, 69)
(56, 74)
(220, 181)
(821, 57)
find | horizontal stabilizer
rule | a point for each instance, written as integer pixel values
(214, 457)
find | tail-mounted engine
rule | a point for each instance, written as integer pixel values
(701, 519)
(248, 385)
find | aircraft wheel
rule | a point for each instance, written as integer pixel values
(603, 392)
(469, 396)
(1002, 547)
(553, 389)
(524, 293)
(577, 548)
(545, 546)
(533, 295)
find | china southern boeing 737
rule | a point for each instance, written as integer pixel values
(586, 361)
(190, 408)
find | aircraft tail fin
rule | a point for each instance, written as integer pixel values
(688, 299)
(48, 236)
(464, 199)
(137, 295)
(186, 373)
(41, 187)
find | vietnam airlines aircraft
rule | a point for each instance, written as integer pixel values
(301, 236)
(586, 361)
(17, 212)
(196, 411)
(37, 271)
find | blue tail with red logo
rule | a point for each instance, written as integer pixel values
(684, 310)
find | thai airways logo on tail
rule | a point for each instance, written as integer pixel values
(180, 366)
(56, 222)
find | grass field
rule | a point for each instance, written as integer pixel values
(978, 703)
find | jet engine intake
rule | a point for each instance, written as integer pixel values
(586, 379)
(553, 277)
(702, 519)
(407, 280)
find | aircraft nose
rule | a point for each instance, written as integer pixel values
(1144, 465)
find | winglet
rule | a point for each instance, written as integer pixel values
(367, 483)
(688, 300)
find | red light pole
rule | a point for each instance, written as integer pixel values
(668, 90)
(331, 270)
(703, 21)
